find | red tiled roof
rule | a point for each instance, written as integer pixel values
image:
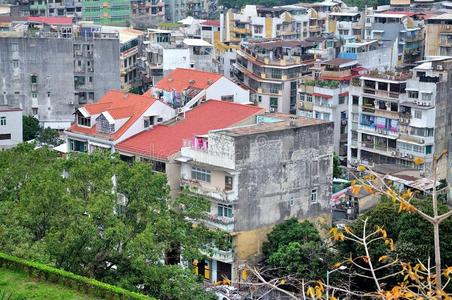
(211, 23)
(119, 106)
(51, 20)
(163, 141)
(322, 95)
(180, 79)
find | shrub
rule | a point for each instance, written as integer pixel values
(91, 286)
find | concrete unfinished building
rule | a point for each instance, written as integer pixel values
(257, 176)
(48, 75)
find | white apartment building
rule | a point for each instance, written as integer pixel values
(397, 118)
(10, 126)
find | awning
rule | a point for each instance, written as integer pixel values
(99, 145)
(61, 148)
(183, 159)
(343, 94)
(321, 95)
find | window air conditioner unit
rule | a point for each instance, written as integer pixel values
(272, 109)
(440, 67)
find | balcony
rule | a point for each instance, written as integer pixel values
(220, 222)
(217, 254)
(222, 195)
(304, 105)
(269, 92)
(337, 74)
(380, 149)
(386, 113)
(404, 118)
(411, 138)
(382, 131)
(368, 109)
(241, 30)
(314, 28)
(223, 160)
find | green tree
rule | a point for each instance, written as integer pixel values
(48, 136)
(337, 172)
(94, 215)
(296, 248)
(30, 127)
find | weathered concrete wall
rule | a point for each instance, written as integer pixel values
(106, 66)
(51, 60)
(278, 171)
(443, 115)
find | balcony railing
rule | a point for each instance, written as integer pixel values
(226, 256)
(222, 195)
(223, 223)
(383, 131)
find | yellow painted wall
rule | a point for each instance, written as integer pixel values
(432, 38)
(248, 244)
(332, 26)
(268, 27)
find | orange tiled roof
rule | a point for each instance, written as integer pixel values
(119, 105)
(180, 79)
(163, 141)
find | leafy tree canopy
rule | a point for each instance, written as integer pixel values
(30, 127)
(94, 215)
(296, 248)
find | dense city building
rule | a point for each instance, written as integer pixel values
(396, 118)
(48, 72)
(271, 69)
(291, 160)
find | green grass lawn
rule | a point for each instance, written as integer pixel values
(23, 287)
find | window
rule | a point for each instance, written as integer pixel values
(225, 211)
(258, 29)
(148, 121)
(158, 166)
(228, 98)
(78, 146)
(355, 100)
(426, 97)
(81, 120)
(259, 99)
(413, 94)
(314, 196)
(2, 121)
(418, 114)
(273, 103)
(34, 78)
(309, 98)
(34, 95)
(14, 47)
(341, 99)
(5, 136)
(15, 63)
(34, 111)
(228, 183)
(200, 174)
